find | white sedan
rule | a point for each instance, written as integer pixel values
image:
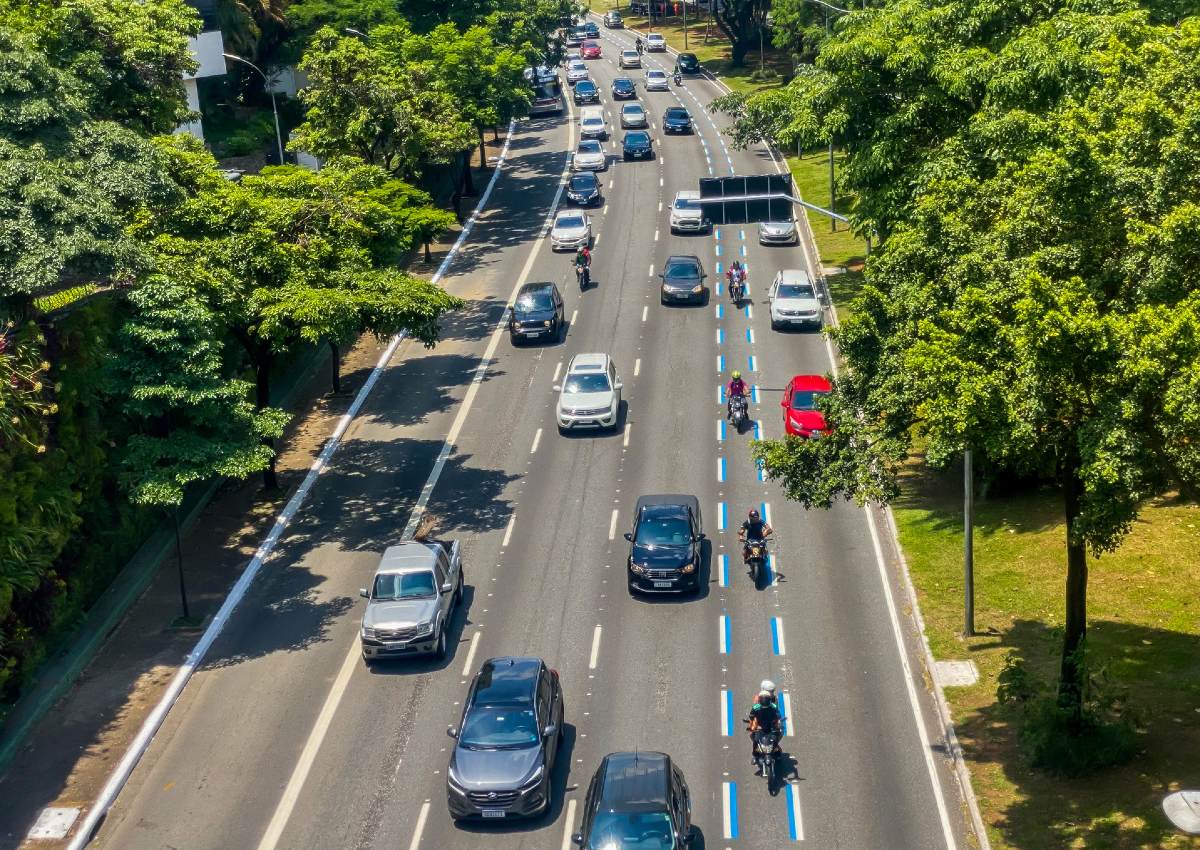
(589, 156)
(630, 59)
(655, 43)
(571, 230)
(576, 71)
(656, 80)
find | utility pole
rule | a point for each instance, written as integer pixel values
(968, 545)
(685, 44)
(832, 183)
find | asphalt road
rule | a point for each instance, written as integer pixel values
(285, 739)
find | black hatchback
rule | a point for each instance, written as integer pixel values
(683, 280)
(586, 92)
(537, 314)
(637, 145)
(505, 746)
(623, 88)
(687, 63)
(584, 189)
(677, 119)
(636, 800)
(665, 546)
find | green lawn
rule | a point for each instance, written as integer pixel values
(1144, 629)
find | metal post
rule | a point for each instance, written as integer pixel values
(968, 547)
(685, 43)
(760, 48)
(279, 135)
(266, 85)
(179, 561)
(832, 190)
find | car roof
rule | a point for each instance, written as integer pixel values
(629, 52)
(586, 176)
(584, 84)
(408, 556)
(539, 286)
(677, 109)
(677, 258)
(688, 194)
(578, 63)
(629, 107)
(654, 35)
(667, 499)
(588, 363)
(591, 112)
(793, 276)
(635, 781)
(506, 680)
(811, 383)
(622, 80)
(654, 72)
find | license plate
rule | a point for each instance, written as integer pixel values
(662, 584)
(493, 813)
(533, 334)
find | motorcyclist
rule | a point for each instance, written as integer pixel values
(737, 387)
(735, 274)
(755, 528)
(764, 716)
(638, 45)
(583, 262)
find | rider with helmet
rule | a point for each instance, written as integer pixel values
(764, 716)
(583, 263)
(737, 387)
(638, 45)
(755, 528)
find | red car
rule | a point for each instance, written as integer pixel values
(800, 415)
(590, 50)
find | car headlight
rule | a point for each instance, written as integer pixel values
(546, 323)
(425, 629)
(533, 780)
(697, 289)
(454, 780)
(688, 568)
(637, 568)
(368, 632)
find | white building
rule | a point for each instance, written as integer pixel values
(207, 49)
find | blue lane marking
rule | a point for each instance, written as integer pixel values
(718, 250)
(762, 473)
(770, 570)
(720, 336)
(795, 831)
(724, 570)
(720, 363)
(777, 645)
(727, 714)
(726, 635)
(721, 430)
(720, 309)
(743, 250)
(754, 393)
(719, 288)
(721, 394)
(746, 309)
(785, 705)
(757, 430)
(749, 335)
(721, 516)
(741, 234)
(752, 361)
(721, 468)
(717, 233)
(731, 828)
(762, 511)
(718, 268)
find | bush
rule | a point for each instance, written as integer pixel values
(765, 75)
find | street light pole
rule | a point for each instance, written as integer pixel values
(832, 189)
(968, 545)
(267, 86)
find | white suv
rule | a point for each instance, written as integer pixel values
(590, 394)
(792, 300)
(686, 213)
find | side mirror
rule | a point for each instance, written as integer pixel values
(447, 587)
(577, 838)
(618, 385)
(783, 404)
(687, 838)
(628, 536)
(549, 731)
(362, 591)
(452, 731)
(558, 388)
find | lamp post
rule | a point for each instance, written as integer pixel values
(267, 86)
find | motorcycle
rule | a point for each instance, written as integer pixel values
(755, 556)
(678, 79)
(766, 751)
(738, 411)
(584, 275)
(737, 290)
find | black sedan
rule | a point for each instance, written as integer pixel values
(665, 544)
(623, 88)
(637, 145)
(505, 746)
(687, 63)
(586, 92)
(637, 799)
(683, 280)
(593, 31)
(538, 313)
(584, 189)
(677, 120)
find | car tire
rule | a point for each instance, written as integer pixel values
(441, 650)
(774, 325)
(458, 591)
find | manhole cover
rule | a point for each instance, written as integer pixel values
(955, 674)
(1183, 809)
(53, 824)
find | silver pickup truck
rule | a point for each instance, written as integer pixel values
(411, 601)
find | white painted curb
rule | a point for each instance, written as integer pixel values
(154, 721)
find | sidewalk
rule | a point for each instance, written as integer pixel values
(68, 755)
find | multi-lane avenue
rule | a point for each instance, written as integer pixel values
(285, 739)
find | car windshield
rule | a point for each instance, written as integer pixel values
(591, 382)
(637, 138)
(677, 112)
(570, 221)
(629, 54)
(795, 290)
(586, 85)
(663, 531)
(683, 270)
(590, 146)
(583, 182)
(631, 109)
(578, 66)
(499, 727)
(593, 121)
(404, 586)
(643, 830)
(623, 83)
(687, 204)
(805, 399)
(658, 75)
(533, 302)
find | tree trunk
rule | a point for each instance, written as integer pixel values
(262, 398)
(335, 356)
(495, 134)
(1070, 691)
(737, 53)
(468, 184)
(482, 148)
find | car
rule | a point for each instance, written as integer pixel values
(676, 119)
(506, 744)
(537, 313)
(792, 300)
(637, 145)
(686, 214)
(665, 545)
(584, 189)
(576, 36)
(683, 280)
(623, 88)
(655, 43)
(657, 8)
(411, 600)
(571, 230)
(632, 115)
(656, 80)
(687, 63)
(801, 418)
(638, 799)
(590, 394)
(590, 50)
(589, 156)
(585, 92)
(630, 59)
(779, 232)
(576, 71)
(591, 122)
(613, 21)
(591, 29)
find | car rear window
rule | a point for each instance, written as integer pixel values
(637, 138)
(677, 112)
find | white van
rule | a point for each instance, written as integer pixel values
(592, 124)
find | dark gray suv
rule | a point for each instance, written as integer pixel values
(637, 799)
(505, 746)
(683, 280)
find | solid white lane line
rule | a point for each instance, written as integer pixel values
(595, 648)
(645, 311)
(574, 316)
(557, 370)
(656, 234)
(651, 272)
(660, 206)
(567, 825)
(596, 240)
(789, 725)
(512, 520)
(421, 818)
(471, 653)
(612, 525)
(537, 438)
(625, 442)
(637, 367)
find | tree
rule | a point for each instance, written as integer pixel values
(364, 100)
(1038, 298)
(743, 22)
(798, 27)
